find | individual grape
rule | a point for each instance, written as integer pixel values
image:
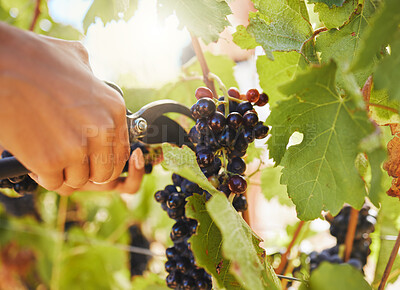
(203, 92)
(241, 143)
(148, 168)
(183, 265)
(205, 107)
(252, 95)
(177, 179)
(240, 203)
(250, 119)
(161, 196)
(212, 169)
(28, 185)
(260, 131)
(234, 120)
(263, 100)
(237, 165)
(180, 230)
(170, 266)
(227, 137)
(176, 213)
(234, 93)
(173, 279)
(236, 153)
(194, 135)
(249, 135)
(171, 252)
(217, 122)
(225, 189)
(170, 189)
(205, 158)
(194, 112)
(202, 126)
(175, 200)
(202, 285)
(213, 141)
(189, 186)
(237, 184)
(242, 108)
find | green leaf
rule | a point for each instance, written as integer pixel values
(387, 73)
(319, 172)
(382, 29)
(337, 276)
(277, 26)
(243, 38)
(341, 45)
(380, 115)
(182, 161)
(330, 3)
(273, 74)
(271, 187)
(241, 246)
(335, 16)
(204, 18)
(206, 244)
(108, 10)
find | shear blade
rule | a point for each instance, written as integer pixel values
(164, 129)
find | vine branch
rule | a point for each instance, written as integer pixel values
(204, 67)
(282, 265)
(35, 15)
(351, 230)
(389, 265)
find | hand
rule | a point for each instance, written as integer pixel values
(65, 125)
(129, 184)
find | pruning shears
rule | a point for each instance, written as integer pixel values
(148, 125)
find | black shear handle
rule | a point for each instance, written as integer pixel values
(11, 167)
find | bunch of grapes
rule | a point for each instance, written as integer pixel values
(218, 134)
(362, 241)
(21, 184)
(148, 153)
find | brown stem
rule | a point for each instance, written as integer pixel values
(351, 230)
(282, 265)
(389, 265)
(204, 67)
(382, 107)
(35, 15)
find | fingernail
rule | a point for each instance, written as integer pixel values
(138, 158)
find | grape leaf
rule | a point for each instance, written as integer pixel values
(206, 244)
(380, 115)
(182, 161)
(108, 10)
(330, 3)
(382, 29)
(319, 172)
(241, 246)
(326, 277)
(300, 7)
(204, 18)
(271, 187)
(341, 45)
(387, 73)
(337, 15)
(273, 74)
(276, 27)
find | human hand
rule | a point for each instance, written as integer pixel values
(61, 122)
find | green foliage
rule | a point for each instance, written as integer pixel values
(320, 171)
(206, 244)
(271, 187)
(282, 69)
(380, 115)
(248, 264)
(277, 26)
(341, 45)
(204, 18)
(335, 16)
(333, 276)
(108, 10)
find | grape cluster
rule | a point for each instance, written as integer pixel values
(148, 154)
(362, 241)
(138, 261)
(215, 136)
(21, 184)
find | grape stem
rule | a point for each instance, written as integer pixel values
(351, 230)
(223, 89)
(285, 255)
(389, 265)
(203, 64)
(35, 15)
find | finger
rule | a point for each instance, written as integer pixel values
(101, 162)
(121, 149)
(135, 173)
(51, 181)
(77, 175)
(66, 190)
